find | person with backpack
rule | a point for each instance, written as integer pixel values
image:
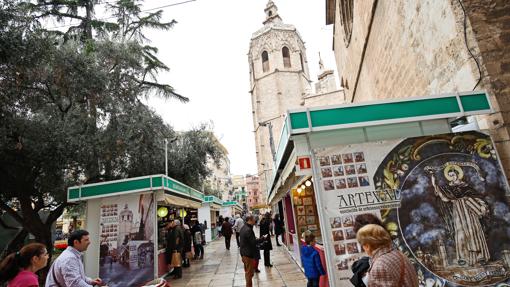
(18, 269)
(311, 261)
(196, 232)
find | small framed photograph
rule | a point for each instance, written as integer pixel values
(338, 170)
(312, 227)
(363, 181)
(301, 220)
(361, 168)
(326, 172)
(340, 183)
(338, 235)
(300, 210)
(342, 265)
(352, 182)
(310, 220)
(297, 200)
(336, 222)
(310, 211)
(328, 184)
(350, 169)
(352, 248)
(349, 233)
(336, 159)
(359, 156)
(347, 158)
(347, 221)
(324, 161)
(307, 201)
(339, 249)
(309, 191)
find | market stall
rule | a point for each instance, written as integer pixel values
(126, 219)
(209, 214)
(400, 161)
(230, 209)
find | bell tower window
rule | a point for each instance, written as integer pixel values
(286, 57)
(265, 62)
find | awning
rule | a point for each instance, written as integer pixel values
(174, 200)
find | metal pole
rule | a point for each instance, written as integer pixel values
(166, 156)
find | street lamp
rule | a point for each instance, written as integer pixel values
(166, 156)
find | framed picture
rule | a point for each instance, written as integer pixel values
(312, 227)
(336, 159)
(352, 182)
(347, 158)
(342, 265)
(324, 161)
(363, 181)
(310, 210)
(340, 183)
(361, 168)
(338, 170)
(352, 248)
(328, 184)
(300, 210)
(307, 201)
(338, 235)
(339, 249)
(349, 233)
(350, 169)
(347, 221)
(326, 172)
(359, 156)
(309, 191)
(336, 222)
(297, 200)
(301, 220)
(310, 219)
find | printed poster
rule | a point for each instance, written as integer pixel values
(126, 254)
(444, 199)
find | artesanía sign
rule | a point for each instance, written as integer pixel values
(444, 199)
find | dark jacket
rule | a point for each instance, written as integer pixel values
(226, 229)
(196, 228)
(187, 240)
(264, 230)
(175, 239)
(311, 262)
(278, 226)
(360, 268)
(248, 242)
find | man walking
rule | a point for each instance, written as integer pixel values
(67, 270)
(226, 229)
(238, 225)
(249, 249)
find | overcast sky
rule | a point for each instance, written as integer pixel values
(207, 55)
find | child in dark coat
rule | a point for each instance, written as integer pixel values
(311, 260)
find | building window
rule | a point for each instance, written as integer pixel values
(302, 61)
(286, 57)
(265, 62)
(346, 11)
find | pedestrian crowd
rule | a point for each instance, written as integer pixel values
(385, 265)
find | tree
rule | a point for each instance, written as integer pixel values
(71, 109)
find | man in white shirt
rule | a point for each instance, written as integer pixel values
(68, 270)
(237, 227)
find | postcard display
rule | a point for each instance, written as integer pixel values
(126, 256)
(306, 213)
(444, 199)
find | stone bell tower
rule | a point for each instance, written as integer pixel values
(279, 81)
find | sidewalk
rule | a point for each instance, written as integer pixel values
(221, 268)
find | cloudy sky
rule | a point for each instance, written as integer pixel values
(207, 55)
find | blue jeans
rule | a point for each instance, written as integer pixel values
(313, 282)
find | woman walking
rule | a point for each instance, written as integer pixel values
(226, 229)
(266, 245)
(18, 269)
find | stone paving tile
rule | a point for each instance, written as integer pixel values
(222, 268)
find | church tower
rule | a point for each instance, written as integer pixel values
(279, 81)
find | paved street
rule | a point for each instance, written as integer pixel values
(224, 268)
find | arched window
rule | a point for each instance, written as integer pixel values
(286, 57)
(265, 62)
(346, 8)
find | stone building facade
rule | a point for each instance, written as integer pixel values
(279, 81)
(396, 49)
(255, 197)
(219, 181)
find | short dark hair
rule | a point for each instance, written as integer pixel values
(308, 236)
(76, 235)
(364, 219)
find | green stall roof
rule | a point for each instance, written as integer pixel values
(150, 183)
